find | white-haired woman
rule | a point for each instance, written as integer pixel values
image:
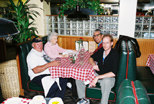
(51, 47)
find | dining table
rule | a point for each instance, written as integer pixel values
(150, 62)
(80, 70)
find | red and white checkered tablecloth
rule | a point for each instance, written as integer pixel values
(16, 100)
(66, 69)
(150, 62)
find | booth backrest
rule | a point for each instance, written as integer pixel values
(127, 64)
(22, 52)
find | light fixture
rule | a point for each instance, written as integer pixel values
(7, 28)
(78, 15)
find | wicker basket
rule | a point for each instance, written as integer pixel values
(9, 80)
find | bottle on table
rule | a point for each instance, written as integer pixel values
(82, 51)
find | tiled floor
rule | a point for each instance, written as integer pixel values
(11, 54)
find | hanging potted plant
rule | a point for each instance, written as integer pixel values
(93, 5)
(23, 17)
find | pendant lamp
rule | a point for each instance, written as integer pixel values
(78, 15)
(7, 27)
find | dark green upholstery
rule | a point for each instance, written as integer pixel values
(126, 93)
(126, 55)
(95, 93)
(22, 52)
(34, 87)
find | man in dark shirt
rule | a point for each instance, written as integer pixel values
(98, 39)
(105, 63)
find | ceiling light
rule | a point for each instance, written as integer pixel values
(78, 15)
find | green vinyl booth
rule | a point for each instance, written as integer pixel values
(126, 70)
(132, 92)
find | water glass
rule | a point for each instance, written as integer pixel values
(58, 59)
(70, 57)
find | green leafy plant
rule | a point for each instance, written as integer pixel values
(23, 16)
(91, 4)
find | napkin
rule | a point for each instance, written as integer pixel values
(70, 51)
(47, 82)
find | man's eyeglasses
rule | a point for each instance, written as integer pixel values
(96, 35)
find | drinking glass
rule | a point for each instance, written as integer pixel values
(70, 55)
(58, 59)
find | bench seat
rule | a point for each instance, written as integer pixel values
(146, 77)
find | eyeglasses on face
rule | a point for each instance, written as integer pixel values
(96, 35)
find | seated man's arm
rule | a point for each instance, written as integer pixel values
(41, 68)
(92, 62)
(109, 74)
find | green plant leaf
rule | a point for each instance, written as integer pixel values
(21, 13)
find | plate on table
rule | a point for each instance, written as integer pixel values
(56, 100)
(15, 100)
(32, 102)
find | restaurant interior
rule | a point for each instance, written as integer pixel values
(128, 19)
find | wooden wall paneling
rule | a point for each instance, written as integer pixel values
(73, 43)
(60, 41)
(146, 48)
(64, 43)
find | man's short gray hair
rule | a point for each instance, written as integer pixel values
(51, 34)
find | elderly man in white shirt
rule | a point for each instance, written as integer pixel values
(38, 70)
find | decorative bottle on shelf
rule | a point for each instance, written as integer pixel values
(82, 51)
